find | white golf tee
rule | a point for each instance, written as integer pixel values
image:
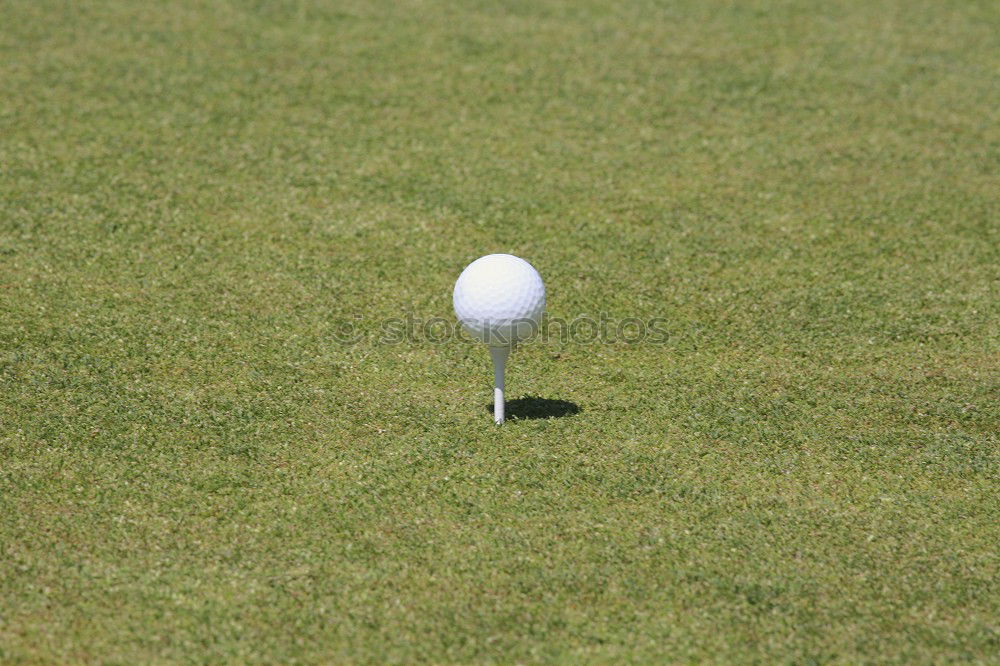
(499, 355)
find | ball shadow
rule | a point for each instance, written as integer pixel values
(533, 407)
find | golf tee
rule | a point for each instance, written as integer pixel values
(499, 355)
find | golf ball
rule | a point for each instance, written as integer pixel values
(499, 299)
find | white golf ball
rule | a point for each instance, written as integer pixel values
(499, 299)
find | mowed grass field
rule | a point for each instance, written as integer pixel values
(198, 197)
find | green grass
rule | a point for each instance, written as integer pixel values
(196, 196)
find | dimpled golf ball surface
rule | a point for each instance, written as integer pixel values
(499, 299)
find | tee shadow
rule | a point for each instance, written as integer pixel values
(533, 407)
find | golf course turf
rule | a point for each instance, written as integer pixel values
(212, 212)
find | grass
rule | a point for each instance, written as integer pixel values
(196, 196)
